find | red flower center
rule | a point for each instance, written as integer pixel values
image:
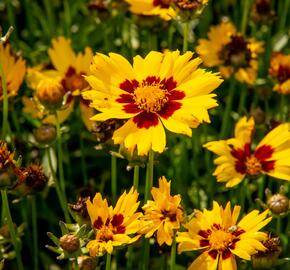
(220, 240)
(283, 73)
(256, 163)
(162, 3)
(149, 99)
(73, 81)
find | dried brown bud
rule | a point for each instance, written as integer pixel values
(268, 259)
(50, 94)
(259, 115)
(190, 5)
(278, 204)
(87, 263)
(80, 208)
(45, 134)
(69, 243)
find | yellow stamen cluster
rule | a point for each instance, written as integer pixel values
(220, 239)
(254, 166)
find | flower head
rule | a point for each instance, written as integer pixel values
(6, 156)
(164, 214)
(113, 226)
(222, 238)
(160, 90)
(152, 8)
(237, 158)
(280, 71)
(14, 70)
(231, 52)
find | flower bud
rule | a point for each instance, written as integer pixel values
(50, 94)
(268, 258)
(259, 115)
(80, 209)
(87, 263)
(45, 134)
(188, 9)
(69, 243)
(278, 204)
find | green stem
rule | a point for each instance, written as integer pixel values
(67, 16)
(173, 254)
(227, 111)
(83, 161)
(284, 15)
(278, 226)
(245, 16)
(114, 178)
(61, 197)
(5, 103)
(34, 232)
(76, 263)
(185, 36)
(148, 186)
(243, 193)
(11, 229)
(136, 177)
(243, 97)
(108, 261)
(283, 108)
(11, 16)
(60, 154)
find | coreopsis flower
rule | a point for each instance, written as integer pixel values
(222, 238)
(113, 226)
(231, 52)
(280, 71)
(162, 89)
(262, 11)
(13, 69)
(159, 8)
(163, 214)
(237, 158)
(68, 70)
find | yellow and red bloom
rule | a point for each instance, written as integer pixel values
(69, 70)
(113, 226)
(13, 69)
(237, 158)
(222, 238)
(231, 52)
(159, 90)
(164, 214)
(280, 71)
(159, 8)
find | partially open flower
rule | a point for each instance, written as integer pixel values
(268, 258)
(50, 94)
(6, 156)
(188, 9)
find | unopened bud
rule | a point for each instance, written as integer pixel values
(69, 243)
(259, 115)
(45, 134)
(50, 94)
(87, 263)
(278, 204)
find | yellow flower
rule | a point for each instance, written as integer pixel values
(164, 214)
(217, 232)
(280, 71)
(160, 90)
(237, 158)
(69, 70)
(231, 52)
(113, 226)
(152, 7)
(13, 69)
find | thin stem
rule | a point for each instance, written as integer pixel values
(61, 197)
(149, 183)
(227, 111)
(114, 178)
(83, 160)
(243, 193)
(108, 261)
(173, 254)
(5, 103)
(67, 16)
(243, 97)
(245, 16)
(34, 232)
(283, 108)
(11, 229)
(283, 17)
(185, 36)
(60, 154)
(136, 177)
(278, 226)
(76, 263)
